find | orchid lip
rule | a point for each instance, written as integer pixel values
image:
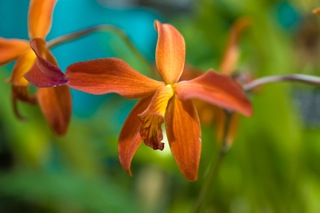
(153, 117)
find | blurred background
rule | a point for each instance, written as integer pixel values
(273, 165)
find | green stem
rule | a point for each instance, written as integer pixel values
(307, 79)
(106, 28)
(214, 168)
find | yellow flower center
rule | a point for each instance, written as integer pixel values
(153, 117)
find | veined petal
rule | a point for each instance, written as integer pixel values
(216, 89)
(153, 117)
(184, 136)
(44, 72)
(11, 49)
(23, 65)
(231, 53)
(130, 139)
(55, 104)
(40, 17)
(109, 75)
(170, 52)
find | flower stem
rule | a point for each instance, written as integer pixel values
(214, 168)
(307, 79)
(106, 28)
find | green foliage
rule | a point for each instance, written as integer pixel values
(63, 191)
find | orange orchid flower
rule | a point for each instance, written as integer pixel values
(54, 101)
(167, 101)
(209, 113)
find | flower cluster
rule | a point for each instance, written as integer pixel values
(168, 101)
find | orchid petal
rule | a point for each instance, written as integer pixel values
(153, 117)
(231, 53)
(40, 17)
(170, 52)
(216, 89)
(130, 139)
(45, 72)
(109, 75)
(184, 136)
(55, 104)
(11, 49)
(23, 65)
(206, 111)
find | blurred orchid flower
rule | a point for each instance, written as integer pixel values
(34, 57)
(227, 67)
(167, 101)
(316, 11)
(209, 113)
